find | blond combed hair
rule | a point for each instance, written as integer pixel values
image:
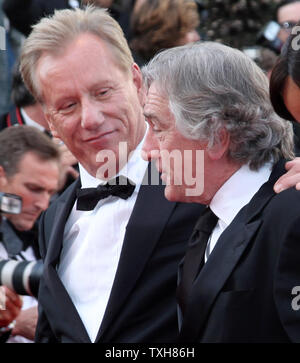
(52, 34)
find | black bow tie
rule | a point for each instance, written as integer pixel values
(89, 197)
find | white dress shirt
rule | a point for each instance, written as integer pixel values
(30, 122)
(92, 246)
(234, 194)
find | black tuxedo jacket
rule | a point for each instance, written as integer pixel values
(244, 291)
(142, 304)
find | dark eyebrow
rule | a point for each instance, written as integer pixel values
(38, 188)
(33, 185)
(151, 116)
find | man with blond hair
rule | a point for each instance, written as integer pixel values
(110, 250)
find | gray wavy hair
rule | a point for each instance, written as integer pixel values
(211, 87)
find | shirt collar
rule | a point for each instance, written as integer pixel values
(238, 190)
(134, 169)
(30, 122)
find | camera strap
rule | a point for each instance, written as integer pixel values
(14, 118)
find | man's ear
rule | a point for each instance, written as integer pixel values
(220, 148)
(51, 127)
(138, 81)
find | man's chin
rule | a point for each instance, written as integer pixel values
(173, 193)
(179, 194)
(23, 225)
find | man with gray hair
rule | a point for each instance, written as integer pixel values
(238, 280)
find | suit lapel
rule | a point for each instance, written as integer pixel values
(230, 247)
(224, 258)
(61, 214)
(68, 311)
(149, 217)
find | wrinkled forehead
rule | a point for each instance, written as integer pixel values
(85, 51)
(156, 99)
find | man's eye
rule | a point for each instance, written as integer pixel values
(153, 127)
(67, 108)
(102, 92)
(34, 189)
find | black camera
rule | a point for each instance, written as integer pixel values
(23, 277)
(269, 37)
(10, 203)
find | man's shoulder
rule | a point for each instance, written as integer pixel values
(287, 200)
(281, 211)
(282, 203)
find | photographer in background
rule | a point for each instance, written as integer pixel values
(29, 168)
(288, 14)
(275, 33)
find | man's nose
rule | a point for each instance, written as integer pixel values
(42, 202)
(91, 114)
(150, 149)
